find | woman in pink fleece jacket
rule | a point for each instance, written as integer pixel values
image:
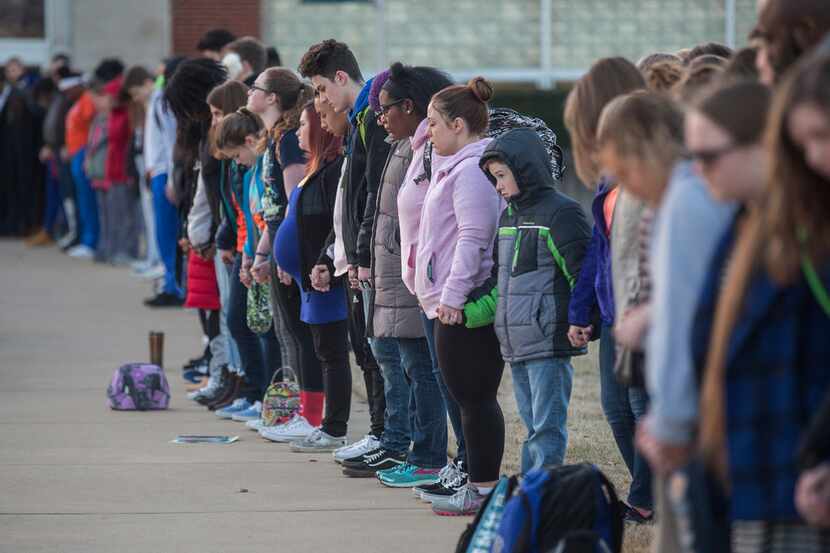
(454, 256)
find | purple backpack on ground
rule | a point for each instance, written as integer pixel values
(139, 387)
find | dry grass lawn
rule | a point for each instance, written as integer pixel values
(589, 437)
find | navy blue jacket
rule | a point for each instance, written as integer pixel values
(776, 377)
(594, 283)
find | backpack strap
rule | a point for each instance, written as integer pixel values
(811, 275)
(361, 125)
(428, 160)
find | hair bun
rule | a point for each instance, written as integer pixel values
(397, 70)
(481, 89)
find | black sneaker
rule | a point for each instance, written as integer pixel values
(164, 299)
(381, 459)
(452, 479)
(358, 459)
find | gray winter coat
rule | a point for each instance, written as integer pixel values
(543, 236)
(394, 311)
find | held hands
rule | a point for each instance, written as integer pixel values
(245, 276)
(320, 278)
(579, 336)
(812, 495)
(261, 269)
(226, 256)
(449, 315)
(630, 332)
(353, 280)
(184, 244)
(663, 457)
(364, 277)
(284, 277)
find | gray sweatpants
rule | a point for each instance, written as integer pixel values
(117, 211)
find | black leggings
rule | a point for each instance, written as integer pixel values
(209, 319)
(331, 347)
(294, 336)
(471, 364)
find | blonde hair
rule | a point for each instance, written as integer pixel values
(292, 94)
(607, 79)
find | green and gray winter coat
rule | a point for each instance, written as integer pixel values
(542, 239)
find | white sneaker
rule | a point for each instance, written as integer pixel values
(297, 428)
(364, 446)
(254, 425)
(317, 442)
(152, 273)
(212, 386)
(81, 252)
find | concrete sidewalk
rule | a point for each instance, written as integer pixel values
(77, 477)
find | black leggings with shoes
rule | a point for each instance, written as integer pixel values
(471, 364)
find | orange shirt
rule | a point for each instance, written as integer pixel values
(608, 208)
(78, 121)
(241, 229)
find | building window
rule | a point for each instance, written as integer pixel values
(23, 19)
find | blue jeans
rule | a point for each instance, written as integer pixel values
(259, 353)
(414, 408)
(87, 203)
(167, 231)
(623, 407)
(453, 409)
(223, 282)
(543, 390)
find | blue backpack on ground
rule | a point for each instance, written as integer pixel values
(481, 533)
(552, 504)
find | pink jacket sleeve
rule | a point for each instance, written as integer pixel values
(476, 207)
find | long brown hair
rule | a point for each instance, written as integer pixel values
(292, 95)
(605, 80)
(236, 127)
(798, 198)
(227, 98)
(790, 29)
(322, 145)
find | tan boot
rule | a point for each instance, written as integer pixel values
(40, 238)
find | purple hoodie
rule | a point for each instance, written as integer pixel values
(458, 227)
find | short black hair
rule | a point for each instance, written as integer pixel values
(63, 58)
(170, 66)
(215, 39)
(327, 58)
(418, 84)
(274, 59)
(108, 69)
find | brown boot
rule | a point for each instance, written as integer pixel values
(233, 392)
(40, 238)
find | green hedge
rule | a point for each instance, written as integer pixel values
(548, 105)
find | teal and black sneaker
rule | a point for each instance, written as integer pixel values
(407, 476)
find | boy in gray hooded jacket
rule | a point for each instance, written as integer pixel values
(542, 239)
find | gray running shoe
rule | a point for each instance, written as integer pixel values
(466, 502)
(317, 442)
